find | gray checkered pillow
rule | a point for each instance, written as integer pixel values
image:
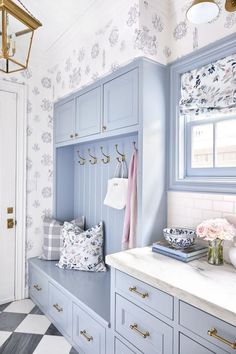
(52, 240)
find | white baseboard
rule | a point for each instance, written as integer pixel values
(5, 301)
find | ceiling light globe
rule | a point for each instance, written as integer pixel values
(202, 11)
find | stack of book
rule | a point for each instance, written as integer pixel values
(185, 255)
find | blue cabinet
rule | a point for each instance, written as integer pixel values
(121, 101)
(64, 121)
(187, 346)
(120, 348)
(88, 113)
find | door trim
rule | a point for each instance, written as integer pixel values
(20, 251)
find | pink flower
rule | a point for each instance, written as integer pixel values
(216, 228)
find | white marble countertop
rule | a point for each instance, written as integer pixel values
(210, 288)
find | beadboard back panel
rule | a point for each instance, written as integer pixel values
(90, 186)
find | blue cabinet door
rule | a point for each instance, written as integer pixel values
(121, 101)
(65, 121)
(88, 113)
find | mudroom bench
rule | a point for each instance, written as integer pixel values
(78, 303)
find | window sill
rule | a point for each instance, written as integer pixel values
(204, 184)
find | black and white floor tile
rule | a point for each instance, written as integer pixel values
(25, 330)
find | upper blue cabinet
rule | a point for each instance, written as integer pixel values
(121, 101)
(101, 108)
(88, 113)
(64, 121)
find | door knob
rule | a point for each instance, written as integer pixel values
(10, 210)
(10, 223)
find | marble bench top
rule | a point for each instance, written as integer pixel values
(210, 288)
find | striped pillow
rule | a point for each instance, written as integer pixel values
(52, 240)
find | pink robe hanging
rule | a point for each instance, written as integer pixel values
(131, 211)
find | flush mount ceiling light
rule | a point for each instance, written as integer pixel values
(202, 11)
(230, 5)
(16, 35)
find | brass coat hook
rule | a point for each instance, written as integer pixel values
(134, 143)
(122, 158)
(93, 159)
(81, 159)
(106, 158)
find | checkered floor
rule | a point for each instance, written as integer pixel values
(25, 330)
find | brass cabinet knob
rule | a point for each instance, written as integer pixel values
(76, 135)
(104, 128)
(134, 327)
(86, 335)
(37, 287)
(58, 308)
(213, 333)
(71, 136)
(133, 289)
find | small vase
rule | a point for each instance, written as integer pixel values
(215, 252)
(232, 254)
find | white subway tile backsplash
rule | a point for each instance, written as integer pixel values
(211, 214)
(189, 209)
(203, 204)
(230, 198)
(223, 206)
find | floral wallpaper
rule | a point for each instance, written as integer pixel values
(100, 43)
(152, 28)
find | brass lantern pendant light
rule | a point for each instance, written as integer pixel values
(230, 5)
(16, 36)
(202, 11)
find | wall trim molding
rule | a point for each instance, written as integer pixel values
(214, 51)
(20, 253)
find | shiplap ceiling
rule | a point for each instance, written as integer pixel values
(57, 17)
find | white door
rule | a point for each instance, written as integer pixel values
(8, 143)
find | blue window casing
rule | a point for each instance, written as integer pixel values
(180, 175)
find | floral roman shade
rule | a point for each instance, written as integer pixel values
(210, 89)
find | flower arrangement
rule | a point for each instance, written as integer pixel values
(215, 231)
(219, 228)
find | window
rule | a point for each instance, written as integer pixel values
(202, 140)
(211, 147)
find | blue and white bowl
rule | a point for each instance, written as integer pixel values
(180, 237)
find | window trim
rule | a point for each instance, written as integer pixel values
(176, 170)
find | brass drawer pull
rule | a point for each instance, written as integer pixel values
(133, 289)
(134, 327)
(86, 336)
(213, 333)
(37, 287)
(58, 308)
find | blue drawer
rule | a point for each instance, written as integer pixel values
(143, 294)
(200, 323)
(38, 287)
(60, 308)
(144, 331)
(88, 334)
(121, 348)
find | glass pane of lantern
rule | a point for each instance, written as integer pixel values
(18, 42)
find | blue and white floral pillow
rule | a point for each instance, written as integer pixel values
(82, 250)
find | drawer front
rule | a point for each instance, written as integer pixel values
(38, 287)
(88, 334)
(143, 294)
(187, 346)
(120, 348)
(201, 323)
(60, 308)
(144, 331)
